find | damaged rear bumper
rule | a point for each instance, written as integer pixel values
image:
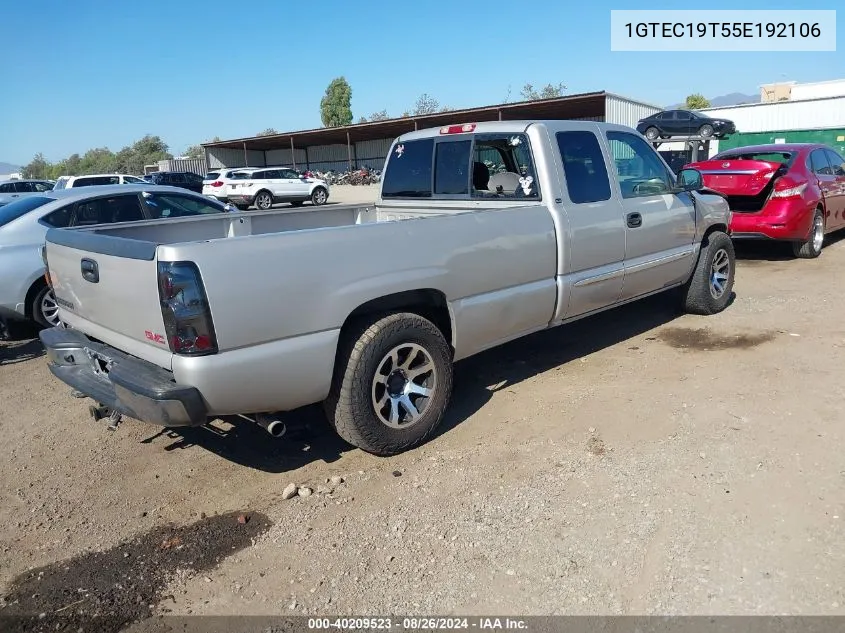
(121, 382)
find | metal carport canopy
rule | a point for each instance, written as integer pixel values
(591, 104)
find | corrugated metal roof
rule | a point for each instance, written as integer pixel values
(584, 105)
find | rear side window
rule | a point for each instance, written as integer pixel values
(837, 163)
(583, 167)
(819, 164)
(451, 167)
(43, 186)
(96, 180)
(408, 172)
(108, 210)
(60, 218)
(173, 206)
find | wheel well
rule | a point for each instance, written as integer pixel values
(428, 303)
(267, 191)
(34, 289)
(712, 229)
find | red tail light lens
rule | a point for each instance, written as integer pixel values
(184, 306)
(217, 183)
(458, 129)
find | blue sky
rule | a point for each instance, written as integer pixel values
(95, 73)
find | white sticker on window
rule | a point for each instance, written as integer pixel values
(400, 149)
(526, 183)
(515, 140)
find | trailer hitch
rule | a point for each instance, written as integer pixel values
(101, 412)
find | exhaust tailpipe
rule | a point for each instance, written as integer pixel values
(270, 423)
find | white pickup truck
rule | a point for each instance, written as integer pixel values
(482, 233)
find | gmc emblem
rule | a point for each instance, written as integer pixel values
(155, 338)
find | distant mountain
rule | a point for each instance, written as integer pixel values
(8, 168)
(734, 98)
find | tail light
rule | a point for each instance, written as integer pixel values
(184, 306)
(217, 183)
(787, 189)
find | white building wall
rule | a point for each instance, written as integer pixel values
(810, 114)
(627, 111)
(818, 90)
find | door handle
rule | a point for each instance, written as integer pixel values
(634, 220)
(90, 270)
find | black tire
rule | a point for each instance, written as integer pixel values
(40, 302)
(364, 350)
(697, 297)
(652, 133)
(812, 246)
(705, 131)
(263, 200)
(297, 203)
(319, 196)
(242, 207)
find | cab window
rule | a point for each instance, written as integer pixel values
(639, 169)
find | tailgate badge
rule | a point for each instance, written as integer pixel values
(726, 165)
(155, 338)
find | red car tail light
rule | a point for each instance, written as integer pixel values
(217, 183)
(184, 307)
(788, 189)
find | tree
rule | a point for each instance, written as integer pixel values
(336, 104)
(696, 101)
(38, 168)
(426, 104)
(268, 132)
(381, 115)
(549, 91)
(196, 151)
(363, 119)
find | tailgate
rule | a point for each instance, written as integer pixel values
(107, 287)
(737, 177)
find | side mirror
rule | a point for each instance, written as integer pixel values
(690, 180)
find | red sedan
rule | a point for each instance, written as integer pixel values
(793, 192)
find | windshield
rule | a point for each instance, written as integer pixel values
(212, 175)
(785, 158)
(18, 208)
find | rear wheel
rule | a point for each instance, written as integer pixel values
(652, 133)
(45, 310)
(812, 246)
(264, 200)
(709, 289)
(392, 383)
(319, 196)
(705, 131)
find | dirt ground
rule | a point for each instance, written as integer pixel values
(638, 462)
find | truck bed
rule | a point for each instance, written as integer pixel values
(246, 223)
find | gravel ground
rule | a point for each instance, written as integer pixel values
(634, 463)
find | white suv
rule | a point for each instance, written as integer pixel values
(266, 186)
(69, 182)
(216, 182)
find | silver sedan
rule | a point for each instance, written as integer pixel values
(24, 291)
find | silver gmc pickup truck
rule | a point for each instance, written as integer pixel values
(482, 233)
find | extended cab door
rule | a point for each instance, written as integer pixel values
(659, 225)
(596, 232)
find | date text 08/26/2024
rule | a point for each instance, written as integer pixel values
(416, 623)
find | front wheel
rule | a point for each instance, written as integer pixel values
(652, 133)
(812, 246)
(709, 289)
(706, 131)
(45, 310)
(319, 196)
(392, 383)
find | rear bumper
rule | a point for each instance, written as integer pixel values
(132, 386)
(779, 220)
